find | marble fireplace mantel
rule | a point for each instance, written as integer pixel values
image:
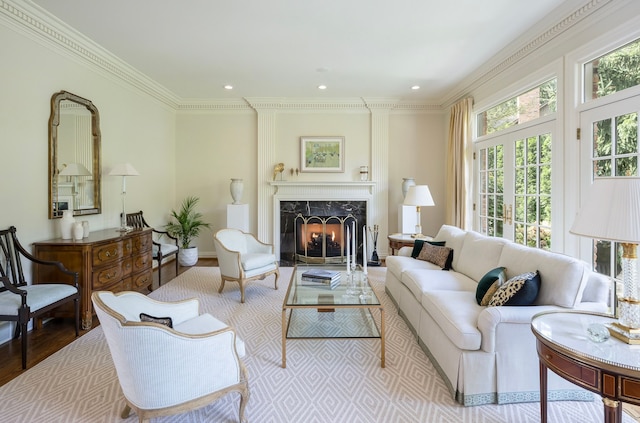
(318, 191)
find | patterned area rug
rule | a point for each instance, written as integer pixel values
(325, 380)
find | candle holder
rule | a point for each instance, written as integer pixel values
(375, 260)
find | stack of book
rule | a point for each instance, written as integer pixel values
(320, 278)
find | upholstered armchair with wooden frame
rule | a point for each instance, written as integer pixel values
(169, 358)
(160, 250)
(243, 258)
(20, 301)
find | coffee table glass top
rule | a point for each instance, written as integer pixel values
(341, 295)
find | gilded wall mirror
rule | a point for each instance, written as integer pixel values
(74, 156)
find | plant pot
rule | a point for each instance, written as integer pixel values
(188, 256)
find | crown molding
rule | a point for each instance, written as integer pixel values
(500, 63)
(45, 28)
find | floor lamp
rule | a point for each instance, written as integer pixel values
(611, 212)
(418, 195)
(74, 170)
(124, 170)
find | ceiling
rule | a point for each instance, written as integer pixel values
(287, 48)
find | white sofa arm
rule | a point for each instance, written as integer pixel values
(491, 318)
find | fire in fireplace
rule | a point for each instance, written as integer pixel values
(321, 239)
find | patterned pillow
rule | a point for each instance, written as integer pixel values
(417, 246)
(167, 321)
(440, 256)
(518, 291)
(487, 281)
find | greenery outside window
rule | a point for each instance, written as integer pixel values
(528, 106)
(612, 72)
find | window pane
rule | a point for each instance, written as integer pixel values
(533, 104)
(519, 234)
(602, 168)
(519, 181)
(532, 150)
(499, 181)
(613, 72)
(545, 180)
(602, 138)
(491, 182)
(532, 236)
(545, 210)
(519, 208)
(627, 134)
(532, 209)
(545, 148)
(532, 180)
(520, 153)
(483, 159)
(627, 166)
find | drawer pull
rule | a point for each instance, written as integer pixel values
(111, 275)
(547, 356)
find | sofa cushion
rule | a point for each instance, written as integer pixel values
(456, 313)
(418, 243)
(421, 281)
(440, 256)
(398, 264)
(453, 237)
(487, 280)
(520, 290)
(563, 278)
(479, 254)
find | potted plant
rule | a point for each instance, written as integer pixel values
(187, 226)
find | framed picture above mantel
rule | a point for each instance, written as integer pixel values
(322, 154)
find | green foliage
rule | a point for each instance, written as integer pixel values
(188, 222)
(618, 70)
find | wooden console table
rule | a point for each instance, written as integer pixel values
(107, 260)
(609, 369)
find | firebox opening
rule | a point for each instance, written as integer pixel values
(321, 239)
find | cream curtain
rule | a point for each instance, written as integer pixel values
(458, 195)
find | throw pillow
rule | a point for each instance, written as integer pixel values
(417, 246)
(440, 256)
(167, 321)
(487, 281)
(489, 294)
(520, 290)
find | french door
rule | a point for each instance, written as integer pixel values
(609, 147)
(514, 185)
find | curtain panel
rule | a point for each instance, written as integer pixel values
(459, 152)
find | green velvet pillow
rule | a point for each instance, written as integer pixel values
(520, 290)
(417, 246)
(487, 280)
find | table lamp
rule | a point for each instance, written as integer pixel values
(74, 170)
(124, 170)
(611, 212)
(418, 195)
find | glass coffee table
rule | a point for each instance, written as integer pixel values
(322, 312)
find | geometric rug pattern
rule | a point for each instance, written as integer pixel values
(325, 380)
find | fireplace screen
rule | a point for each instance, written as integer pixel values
(321, 239)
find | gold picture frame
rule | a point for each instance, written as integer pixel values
(322, 154)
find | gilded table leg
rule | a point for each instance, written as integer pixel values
(382, 346)
(284, 338)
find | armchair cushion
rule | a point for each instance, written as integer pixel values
(252, 261)
(39, 296)
(165, 248)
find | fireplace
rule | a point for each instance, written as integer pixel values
(321, 239)
(314, 231)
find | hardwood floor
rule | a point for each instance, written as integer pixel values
(57, 333)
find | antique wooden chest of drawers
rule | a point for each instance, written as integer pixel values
(107, 260)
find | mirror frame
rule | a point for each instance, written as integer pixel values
(54, 122)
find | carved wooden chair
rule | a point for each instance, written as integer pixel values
(169, 358)
(243, 258)
(160, 249)
(20, 301)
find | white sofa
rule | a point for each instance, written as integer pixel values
(488, 354)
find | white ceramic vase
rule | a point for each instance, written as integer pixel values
(66, 224)
(188, 256)
(406, 183)
(237, 186)
(78, 231)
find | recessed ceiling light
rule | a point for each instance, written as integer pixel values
(322, 87)
(228, 87)
(415, 87)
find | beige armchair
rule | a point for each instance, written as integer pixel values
(173, 361)
(242, 258)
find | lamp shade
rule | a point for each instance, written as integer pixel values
(75, 169)
(611, 211)
(419, 195)
(123, 169)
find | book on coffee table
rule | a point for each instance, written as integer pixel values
(321, 274)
